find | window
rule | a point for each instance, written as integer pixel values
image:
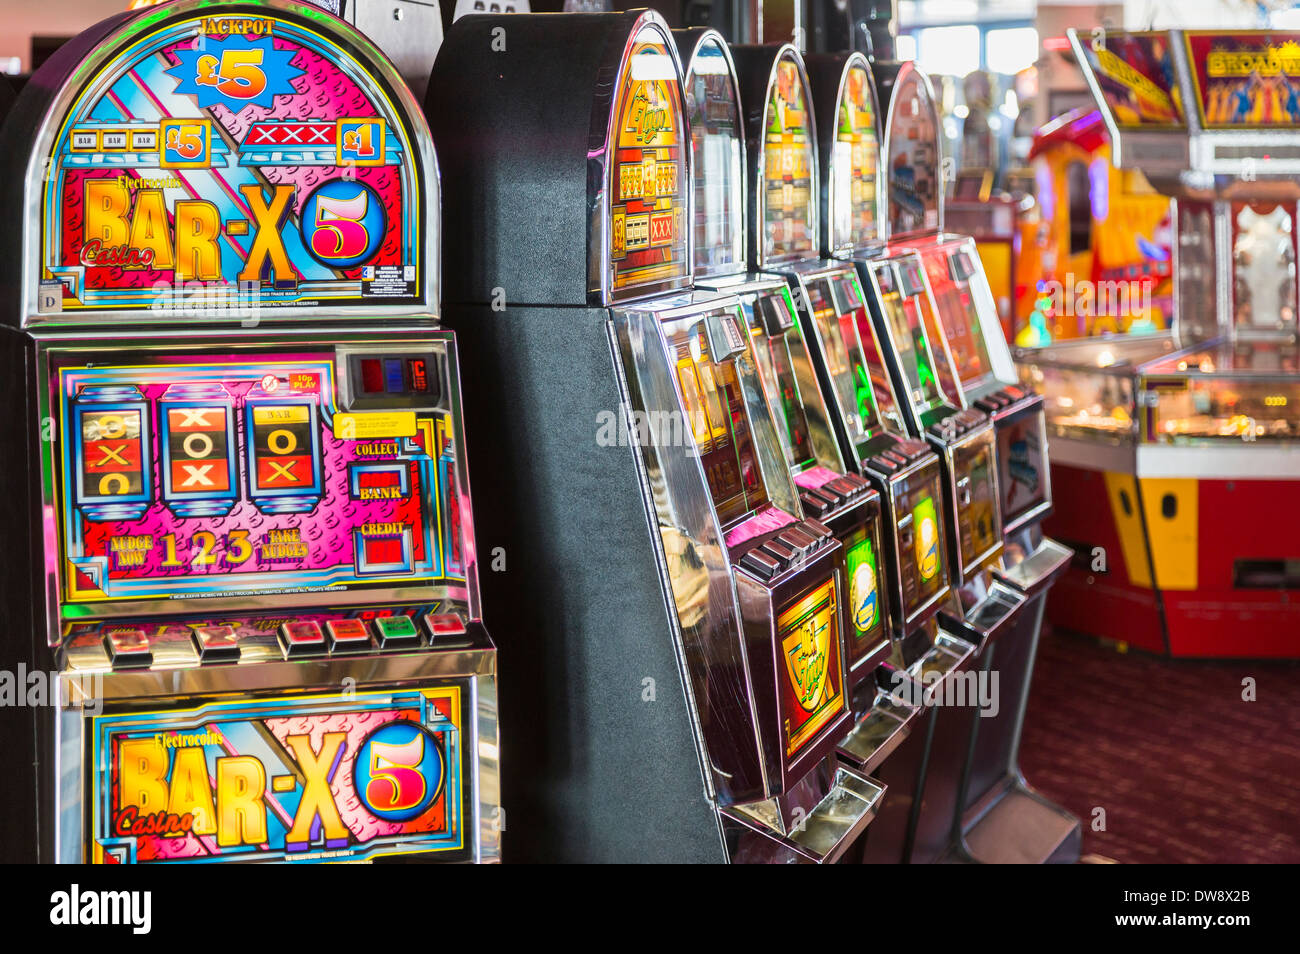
(951, 50)
(905, 47)
(1011, 50)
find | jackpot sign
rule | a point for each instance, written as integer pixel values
(223, 152)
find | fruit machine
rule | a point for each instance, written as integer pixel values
(244, 538)
(827, 491)
(991, 607)
(1206, 415)
(1003, 818)
(785, 217)
(851, 207)
(683, 654)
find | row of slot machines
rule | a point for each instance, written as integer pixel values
(758, 494)
(711, 290)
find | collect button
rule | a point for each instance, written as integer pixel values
(396, 631)
(216, 643)
(302, 638)
(347, 635)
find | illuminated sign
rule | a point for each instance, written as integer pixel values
(312, 778)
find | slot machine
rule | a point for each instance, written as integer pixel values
(244, 540)
(975, 373)
(683, 652)
(785, 219)
(980, 607)
(826, 490)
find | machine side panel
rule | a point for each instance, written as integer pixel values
(600, 763)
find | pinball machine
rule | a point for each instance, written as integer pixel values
(828, 491)
(953, 311)
(683, 651)
(1187, 438)
(244, 540)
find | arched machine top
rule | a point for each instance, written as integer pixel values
(781, 132)
(912, 152)
(196, 162)
(567, 139)
(852, 187)
(717, 151)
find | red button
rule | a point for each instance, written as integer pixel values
(347, 634)
(303, 636)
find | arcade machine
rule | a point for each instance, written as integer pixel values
(827, 491)
(1099, 227)
(682, 649)
(1003, 819)
(244, 539)
(1194, 429)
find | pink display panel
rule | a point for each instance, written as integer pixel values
(220, 476)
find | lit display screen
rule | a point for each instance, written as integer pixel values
(813, 693)
(218, 476)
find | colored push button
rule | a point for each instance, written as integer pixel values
(912, 449)
(944, 430)
(216, 643)
(797, 540)
(779, 552)
(816, 529)
(347, 635)
(882, 464)
(394, 376)
(302, 638)
(129, 649)
(760, 564)
(861, 485)
(396, 631)
(845, 487)
(443, 624)
(813, 504)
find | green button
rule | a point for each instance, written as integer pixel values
(396, 627)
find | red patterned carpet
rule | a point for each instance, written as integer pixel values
(1185, 769)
